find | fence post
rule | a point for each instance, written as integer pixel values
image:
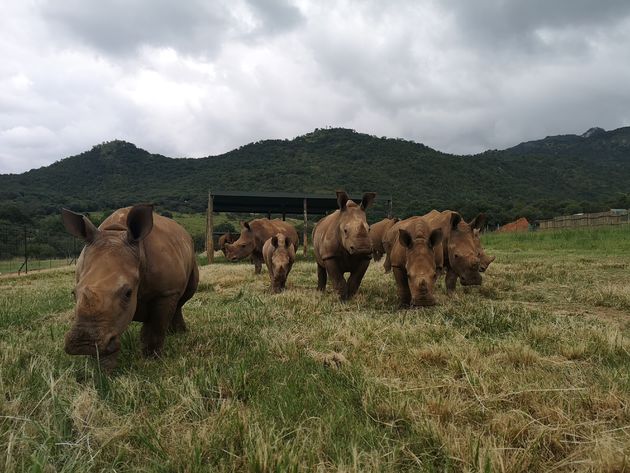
(25, 253)
(305, 229)
(210, 229)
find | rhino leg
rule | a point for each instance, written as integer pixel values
(257, 260)
(154, 330)
(354, 281)
(177, 322)
(387, 264)
(338, 281)
(402, 285)
(451, 280)
(322, 277)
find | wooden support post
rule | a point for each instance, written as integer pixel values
(25, 252)
(305, 236)
(210, 229)
(269, 214)
(389, 208)
(284, 217)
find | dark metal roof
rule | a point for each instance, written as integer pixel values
(277, 202)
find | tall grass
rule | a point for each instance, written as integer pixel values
(527, 373)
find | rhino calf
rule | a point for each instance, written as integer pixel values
(460, 254)
(377, 233)
(279, 255)
(253, 236)
(136, 266)
(341, 244)
(411, 247)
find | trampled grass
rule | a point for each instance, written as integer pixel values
(530, 372)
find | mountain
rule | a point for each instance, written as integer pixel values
(536, 179)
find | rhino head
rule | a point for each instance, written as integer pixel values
(420, 263)
(281, 260)
(244, 246)
(107, 280)
(463, 254)
(484, 259)
(353, 226)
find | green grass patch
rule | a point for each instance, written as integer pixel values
(527, 373)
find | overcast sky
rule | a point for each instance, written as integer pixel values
(196, 77)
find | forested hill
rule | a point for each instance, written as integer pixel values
(556, 175)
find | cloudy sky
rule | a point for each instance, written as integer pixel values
(197, 77)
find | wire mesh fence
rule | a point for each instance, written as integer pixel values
(24, 249)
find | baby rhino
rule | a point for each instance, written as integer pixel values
(279, 255)
(414, 249)
(136, 266)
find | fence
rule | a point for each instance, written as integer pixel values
(612, 217)
(24, 249)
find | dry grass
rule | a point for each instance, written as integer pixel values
(528, 373)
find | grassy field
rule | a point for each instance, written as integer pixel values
(530, 372)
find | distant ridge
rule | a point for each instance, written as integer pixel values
(536, 179)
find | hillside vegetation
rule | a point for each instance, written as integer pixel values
(544, 178)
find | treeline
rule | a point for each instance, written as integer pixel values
(539, 179)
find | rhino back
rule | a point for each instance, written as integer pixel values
(264, 229)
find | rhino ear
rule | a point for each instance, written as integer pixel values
(367, 200)
(395, 220)
(79, 225)
(246, 225)
(455, 219)
(404, 237)
(479, 221)
(274, 241)
(342, 199)
(139, 222)
(435, 238)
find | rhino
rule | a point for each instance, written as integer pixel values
(279, 255)
(136, 266)
(253, 236)
(460, 255)
(484, 259)
(225, 239)
(377, 233)
(342, 244)
(411, 246)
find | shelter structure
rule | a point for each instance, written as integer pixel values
(282, 203)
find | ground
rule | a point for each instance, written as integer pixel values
(530, 372)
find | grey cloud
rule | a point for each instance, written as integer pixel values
(516, 24)
(197, 27)
(192, 80)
